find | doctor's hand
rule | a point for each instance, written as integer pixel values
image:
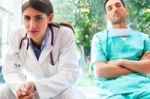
(26, 91)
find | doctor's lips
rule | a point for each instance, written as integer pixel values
(33, 31)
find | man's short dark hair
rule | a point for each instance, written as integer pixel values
(108, 0)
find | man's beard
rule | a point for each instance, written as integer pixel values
(117, 21)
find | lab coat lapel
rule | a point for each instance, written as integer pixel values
(46, 51)
(32, 55)
(30, 51)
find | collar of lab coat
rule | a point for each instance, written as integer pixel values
(46, 51)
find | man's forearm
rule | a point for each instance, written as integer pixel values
(120, 67)
(142, 66)
(108, 70)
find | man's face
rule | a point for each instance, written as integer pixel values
(116, 12)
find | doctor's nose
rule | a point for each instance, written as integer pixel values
(32, 24)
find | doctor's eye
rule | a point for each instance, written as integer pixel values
(27, 18)
(38, 18)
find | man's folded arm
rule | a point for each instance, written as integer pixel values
(109, 70)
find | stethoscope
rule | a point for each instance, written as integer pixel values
(25, 38)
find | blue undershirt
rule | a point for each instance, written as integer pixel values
(36, 50)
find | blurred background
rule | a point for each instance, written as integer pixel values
(86, 16)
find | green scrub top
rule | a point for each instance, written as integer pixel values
(106, 47)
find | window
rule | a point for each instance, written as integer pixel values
(9, 13)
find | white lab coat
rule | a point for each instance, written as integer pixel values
(49, 80)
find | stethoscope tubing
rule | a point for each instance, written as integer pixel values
(52, 43)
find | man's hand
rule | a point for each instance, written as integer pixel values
(26, 91)
(146, 56)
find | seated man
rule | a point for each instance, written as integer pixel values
(120, 57)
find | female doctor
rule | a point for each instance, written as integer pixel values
(41, 62)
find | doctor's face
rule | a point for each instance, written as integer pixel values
(36, 23)
(116, 12)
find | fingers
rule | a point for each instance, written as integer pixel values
(31, 87)
(26, 91)
(22, 91)
(19, 94)
(26, 97)
(28, 87)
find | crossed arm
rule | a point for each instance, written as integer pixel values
(120, 67)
